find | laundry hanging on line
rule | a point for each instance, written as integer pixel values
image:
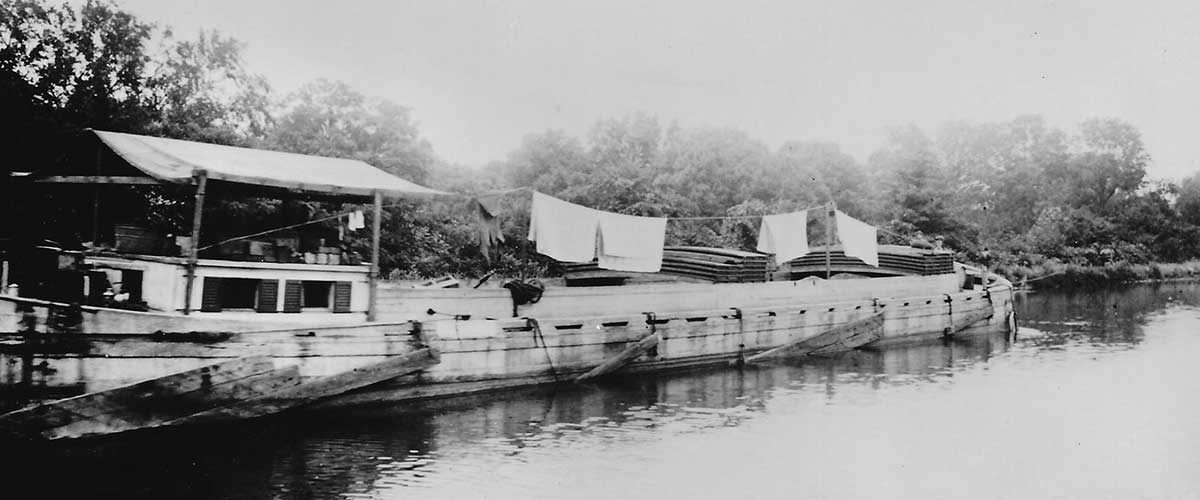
(858, 238)
(630, 243)
(487, 208)
(573, 233)
(563, 231)
(785, 235)
(355, 220)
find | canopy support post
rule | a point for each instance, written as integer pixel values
(194, 246)
(829, 238)
(373, 275)
(96, 202)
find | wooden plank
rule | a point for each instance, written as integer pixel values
(136, 405)
(96, 179)
(623, 358)
(220, 395)
(970, 319)
(842, 337)
(323, 387)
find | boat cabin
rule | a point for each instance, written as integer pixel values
(299, 270)
(229, 287)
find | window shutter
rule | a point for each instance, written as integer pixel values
(210, 297)
(268, 296)
(341, 297)
(293, 296)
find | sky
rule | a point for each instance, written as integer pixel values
(480, 75)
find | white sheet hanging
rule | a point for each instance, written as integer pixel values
(355, 220)
(785, 235)
(858, 239)
(631, 243)
(563, 231)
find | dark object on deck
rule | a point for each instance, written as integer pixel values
(524, 292)
(843, 337)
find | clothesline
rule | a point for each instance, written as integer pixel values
(285, 228)
(503, 192)
(739, 217)
(699, 217)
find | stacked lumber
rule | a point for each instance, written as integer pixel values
(700, 264)
(894, 260)
(720, 264)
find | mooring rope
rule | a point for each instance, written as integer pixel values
(537, 334)
(1030, 280)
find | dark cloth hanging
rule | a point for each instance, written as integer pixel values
(487, 208)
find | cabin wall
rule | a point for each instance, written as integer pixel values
(477, 355)
(564, 347)
(356, 275)
(397, 303)
(165, 281)
(162, 282)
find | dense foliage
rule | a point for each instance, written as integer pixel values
(1015, 193)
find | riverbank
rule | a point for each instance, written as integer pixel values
(1053, 275)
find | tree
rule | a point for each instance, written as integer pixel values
(1147, 220)
(200, 90)
(998, 171)
(64, 68)
(1111, 160)
(708, 170)
(549, 162)
(1187, 201)
(918, 188)
(331, 119)
(809, 173)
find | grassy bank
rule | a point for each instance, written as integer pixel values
(1059, 275)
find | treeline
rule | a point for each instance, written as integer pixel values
(1016, 193)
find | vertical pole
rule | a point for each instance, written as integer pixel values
(194, 248)
(373, 276)
(96, 202)
(829, 238)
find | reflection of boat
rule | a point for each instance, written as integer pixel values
(341, 452)
(330, 329)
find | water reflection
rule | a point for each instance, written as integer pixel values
(870, 423)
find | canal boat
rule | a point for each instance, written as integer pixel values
(220, 337)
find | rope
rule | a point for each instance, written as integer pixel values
(269, 231)
(1055, 273)
(537, 334)
(501, 192)
(738, 217)
(284, 228)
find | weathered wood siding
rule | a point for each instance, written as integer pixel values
(403, 303)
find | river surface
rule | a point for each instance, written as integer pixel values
(1097, 397)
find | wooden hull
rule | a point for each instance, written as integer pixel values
(479, 354)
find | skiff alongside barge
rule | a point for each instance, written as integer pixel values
(229, 339)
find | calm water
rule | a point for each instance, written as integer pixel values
(1098, 397)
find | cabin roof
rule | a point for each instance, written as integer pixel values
(177, 161)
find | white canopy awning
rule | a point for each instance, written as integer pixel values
(173, 160)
